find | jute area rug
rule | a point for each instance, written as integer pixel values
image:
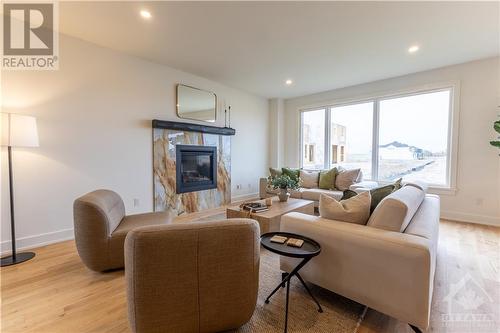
(340, 315)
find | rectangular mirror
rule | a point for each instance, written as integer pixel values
(196, 104)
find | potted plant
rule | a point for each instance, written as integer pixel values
(283, 183)
(496, 127)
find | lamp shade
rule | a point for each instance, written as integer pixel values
(19, 130)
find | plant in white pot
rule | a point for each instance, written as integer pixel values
(284, 183)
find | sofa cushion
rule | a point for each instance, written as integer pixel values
(292, 173)
(130, 222)
(275, 172)
(353, 210)
(310, 179)
(314, 194)
(327, 179)
(396, 210)
(346, 178)
(377, 194)
(425, 222)
(297, 194)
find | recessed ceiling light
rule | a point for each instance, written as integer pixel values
(145, 14)
(413, 49)
(288, 82)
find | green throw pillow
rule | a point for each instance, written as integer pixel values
(327, 179)
(381, 192)
(275, 172)
(398, 184)
(292, 173)
(348, 194)
(377, 194)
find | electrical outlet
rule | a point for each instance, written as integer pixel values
(479, 201)
(137, 202)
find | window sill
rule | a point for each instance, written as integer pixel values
(442, 190)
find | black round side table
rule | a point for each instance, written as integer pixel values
(307, 251)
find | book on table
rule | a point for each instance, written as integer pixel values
(295, 242)
(278, 239)
(255, 207)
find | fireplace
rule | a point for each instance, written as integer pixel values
(196, 168)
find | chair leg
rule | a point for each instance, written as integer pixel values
(415, 328)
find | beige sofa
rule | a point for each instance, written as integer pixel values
(192, 277)
(312, 193)
(388, 264)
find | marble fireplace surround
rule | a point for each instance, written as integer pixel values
(168, 134)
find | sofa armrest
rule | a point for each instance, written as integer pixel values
(385, 270)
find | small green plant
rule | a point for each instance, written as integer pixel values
(283, 182)
(496, 127)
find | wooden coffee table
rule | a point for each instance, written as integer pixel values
(269, 221)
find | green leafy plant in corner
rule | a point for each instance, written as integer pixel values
(283, 182)
(496, 127)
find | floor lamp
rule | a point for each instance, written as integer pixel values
(17, 131)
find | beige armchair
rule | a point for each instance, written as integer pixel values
(101, 227)
(192, 277)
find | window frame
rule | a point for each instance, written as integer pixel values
(452, 134)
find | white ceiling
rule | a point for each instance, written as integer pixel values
(256, 46)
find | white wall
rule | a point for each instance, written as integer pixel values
(94, 117)
(478, 179)
(276, 132)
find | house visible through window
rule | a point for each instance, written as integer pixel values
(309, 153)
(335, 154)
(313, 139)
(354, 126)
(412, 132)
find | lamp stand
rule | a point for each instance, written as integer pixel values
(15, 258)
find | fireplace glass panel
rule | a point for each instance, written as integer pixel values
(196, 168)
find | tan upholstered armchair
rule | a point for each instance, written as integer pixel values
(101, 227)
(192, 277)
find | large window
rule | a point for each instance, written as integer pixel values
(351, 137)
(313, 139)
(405, 136)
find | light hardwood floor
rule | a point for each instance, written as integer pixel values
(55, 293)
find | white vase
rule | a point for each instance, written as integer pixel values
(283, 195)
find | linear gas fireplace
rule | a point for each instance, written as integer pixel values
(196, 168)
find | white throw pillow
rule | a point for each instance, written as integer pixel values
(310, 179)
(353, 210)
(347, 178)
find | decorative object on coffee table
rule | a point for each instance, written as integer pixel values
(309, 249)
(284, 183)
(270, 220)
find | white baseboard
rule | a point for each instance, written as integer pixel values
(30, 242)
(471, 218)
(248, 196)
